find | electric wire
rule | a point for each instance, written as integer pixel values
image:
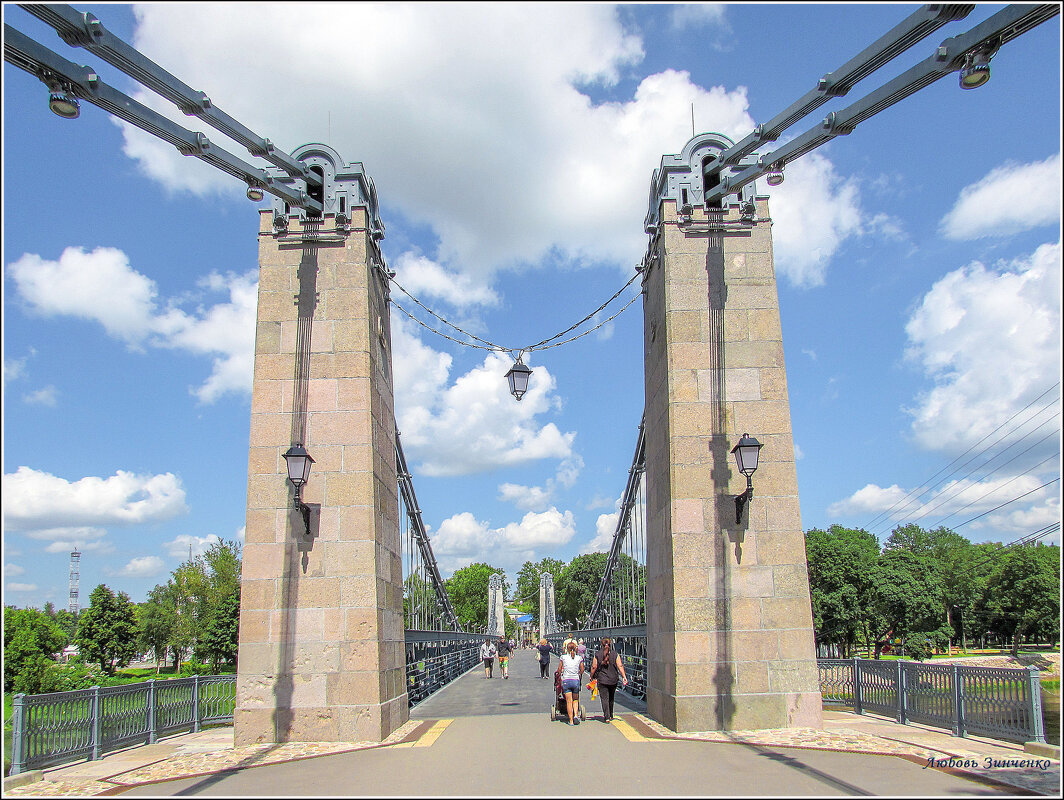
(1013, 500)
(916, 492)
(946, 496)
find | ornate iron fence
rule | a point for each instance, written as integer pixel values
(60, 727)
(999, 702)
(434, 659)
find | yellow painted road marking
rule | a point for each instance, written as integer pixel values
(433, 734)
(630, 733)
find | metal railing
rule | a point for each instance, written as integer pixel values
(60, 727)
(999, 702)
(434, 659)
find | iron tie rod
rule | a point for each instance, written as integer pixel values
(1002, 27)
(56, 72)
(85, 30)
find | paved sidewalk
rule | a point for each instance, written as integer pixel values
(453, 730)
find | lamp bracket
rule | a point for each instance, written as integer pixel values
(742, 499)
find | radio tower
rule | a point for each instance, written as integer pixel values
(75, 560)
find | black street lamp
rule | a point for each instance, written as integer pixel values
(518, 378)
(299, 461)
(746, 453)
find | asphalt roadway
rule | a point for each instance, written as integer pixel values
(489, 727)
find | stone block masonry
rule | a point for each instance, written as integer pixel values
(729, 624)
(321, 653)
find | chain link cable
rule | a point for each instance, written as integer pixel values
(484, 344)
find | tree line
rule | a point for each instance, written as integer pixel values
(575, 586)
(195, 612)
(924, 590)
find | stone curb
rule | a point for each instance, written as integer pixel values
(23, 778)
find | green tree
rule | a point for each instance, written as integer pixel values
(528, 578)
(1023, 592)
(68, 622)
(107, 630)
(468, 589)
(954, 559)
(218, 644)
(31, 640)
(156, 619)
(842, 571)
(575, 589)
(907, 598)
(196, 587)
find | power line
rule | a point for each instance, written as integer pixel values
(996, 488)
(927, 485)
(1013, 500)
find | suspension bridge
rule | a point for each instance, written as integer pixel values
(345, 623)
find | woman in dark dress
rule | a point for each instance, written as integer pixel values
(607, 669)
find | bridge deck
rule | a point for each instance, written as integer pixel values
(525, 692)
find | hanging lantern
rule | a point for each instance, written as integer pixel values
(518, 378)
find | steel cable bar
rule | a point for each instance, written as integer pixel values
(1002, 27)
(406, 489)
(84, 30)
(1009, 502)
(627, 503)
(915, 493)
(84, 83)
(916, 27)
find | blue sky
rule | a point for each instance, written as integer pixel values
(918, 261)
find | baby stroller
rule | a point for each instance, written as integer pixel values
(559, 710)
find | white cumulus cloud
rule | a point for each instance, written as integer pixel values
(1009, 199)
(473, 144)
(103, 287)
(605, 527)
(39, 501)
(41, 397)
(813, 211)
(185, 544)
(989, 338)
(463, 539)
(472, 424)
(141, 567)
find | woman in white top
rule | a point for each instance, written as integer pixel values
(572, 674)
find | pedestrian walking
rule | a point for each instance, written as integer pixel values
(607, 669)
(487, 655)
(571, 669)
(581, 648)
(505, 649)
(544, 649)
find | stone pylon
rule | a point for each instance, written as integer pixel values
(546, 605)
(496, 606)
(729, 626)
(321, 653)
